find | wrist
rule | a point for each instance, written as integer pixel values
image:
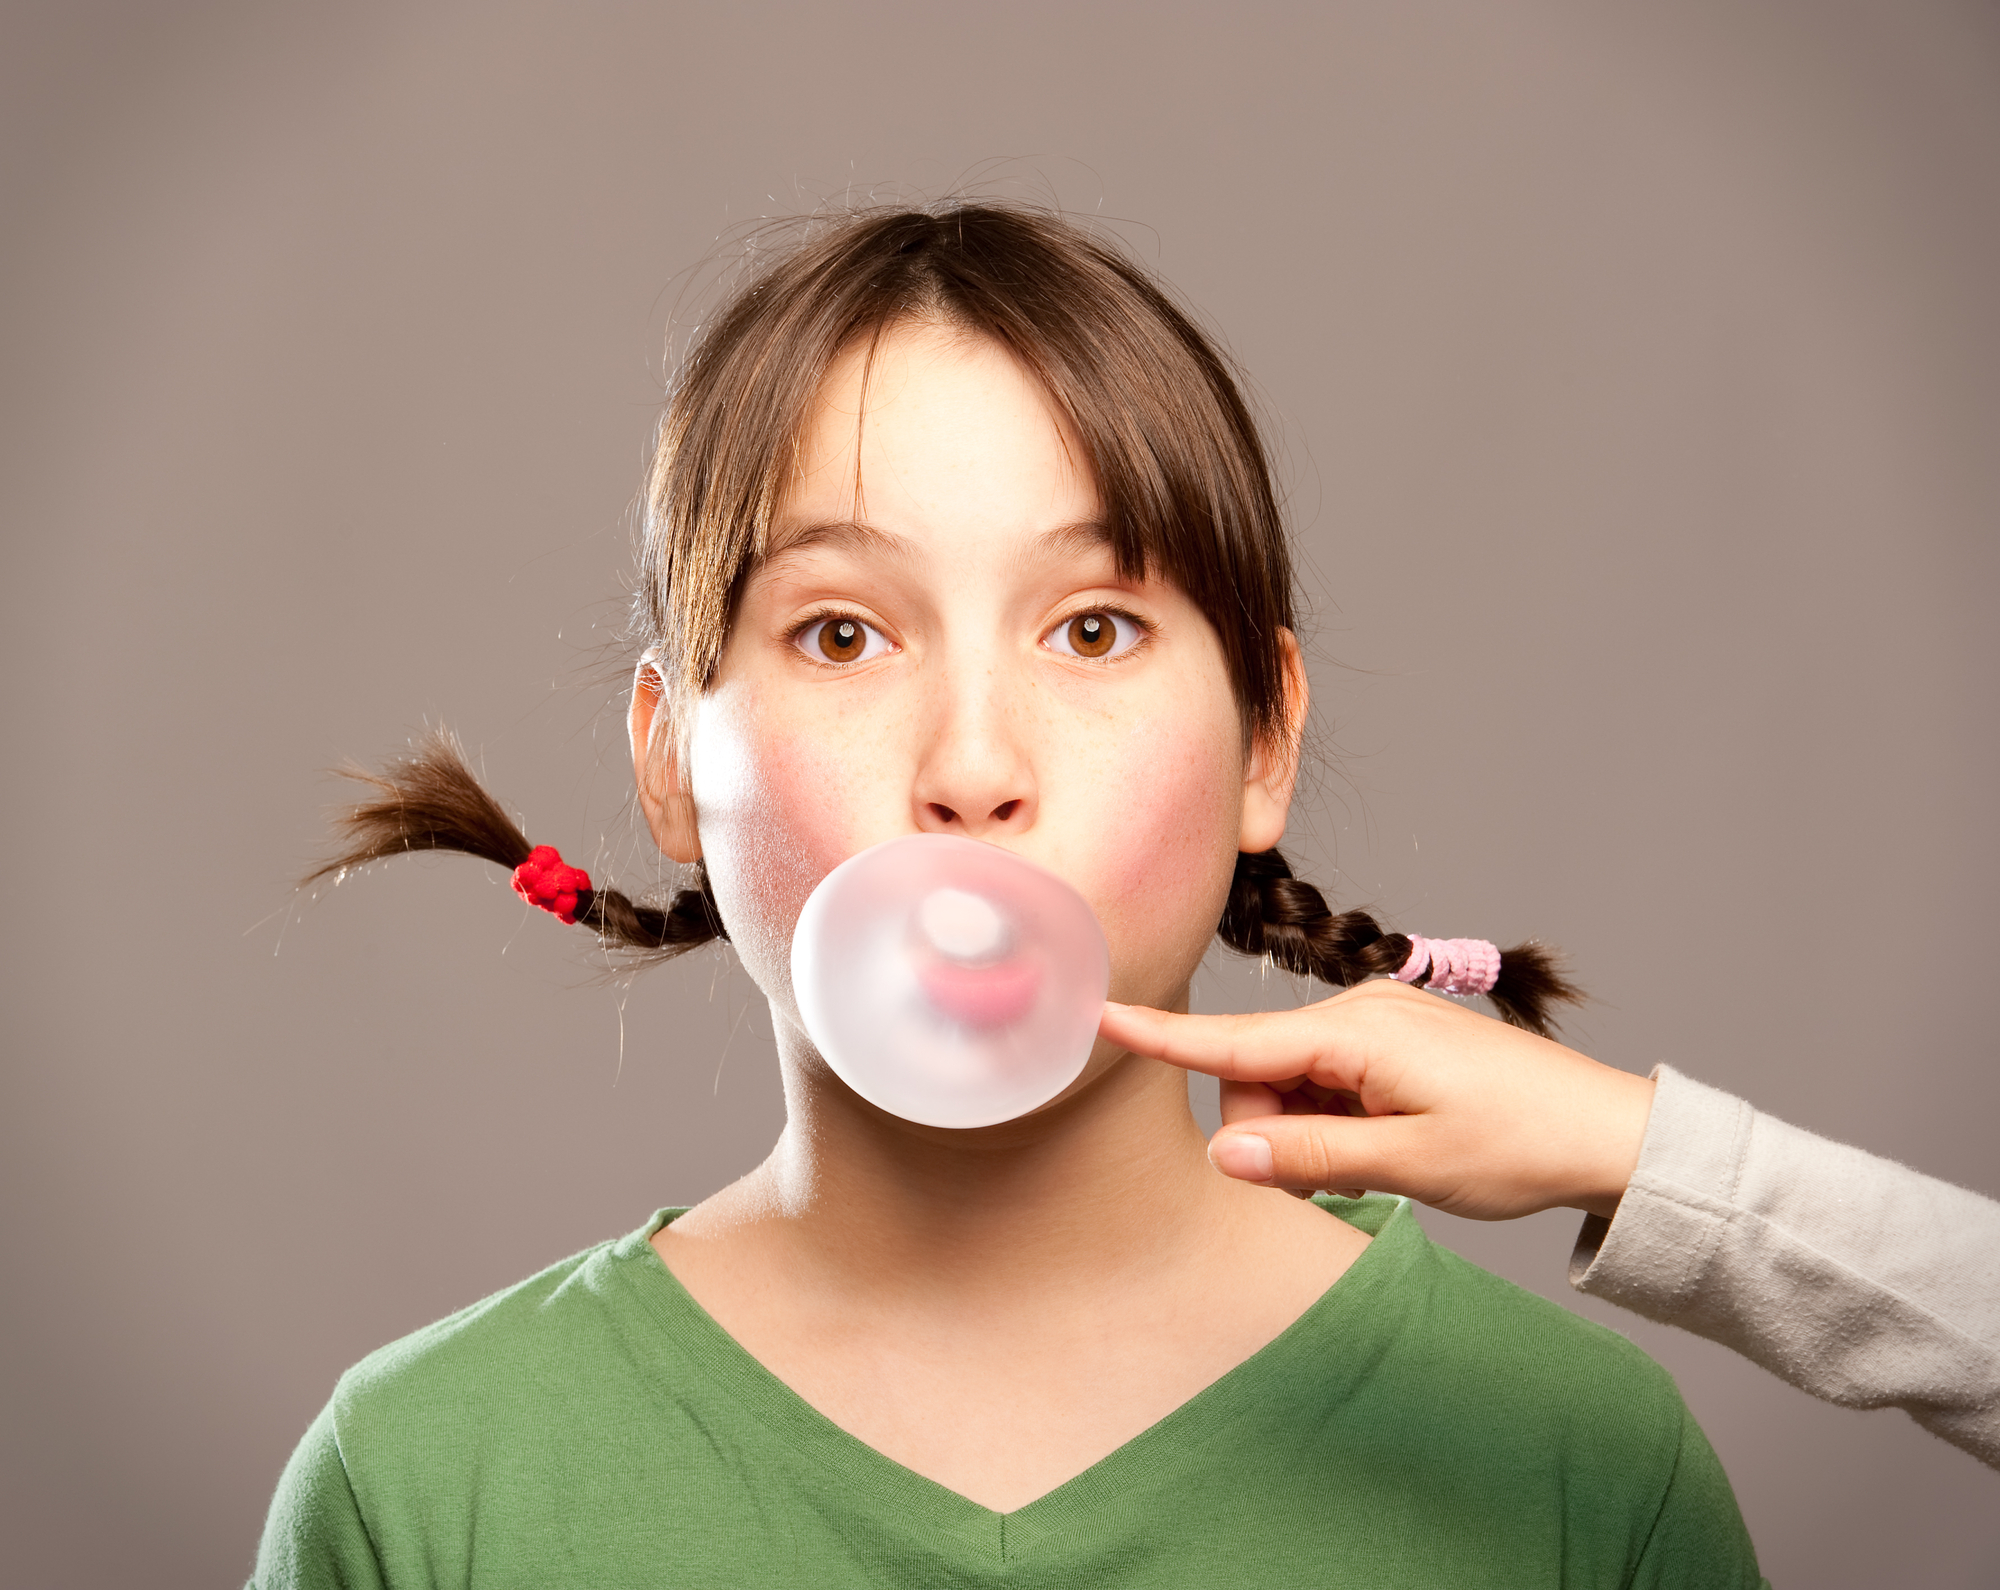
(1617, 1132)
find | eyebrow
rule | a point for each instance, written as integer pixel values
(844, 535)
(851, 535)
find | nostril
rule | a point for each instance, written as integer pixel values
(943, 814)
(1004, 812)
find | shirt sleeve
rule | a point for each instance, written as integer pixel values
(1854, 1278)
(315, 1538)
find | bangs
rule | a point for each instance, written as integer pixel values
(1179, 466)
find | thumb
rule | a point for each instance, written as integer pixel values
(1314, 1151)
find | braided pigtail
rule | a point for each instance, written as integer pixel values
(1272, 913)
(430, 800)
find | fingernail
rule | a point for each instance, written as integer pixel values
(1244, 1155)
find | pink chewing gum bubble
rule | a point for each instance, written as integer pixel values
(950, 982)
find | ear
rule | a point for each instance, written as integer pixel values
(1273, 766)
(663, 794)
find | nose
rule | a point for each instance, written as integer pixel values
(975, 776)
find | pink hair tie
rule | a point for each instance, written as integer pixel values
(1457, 966)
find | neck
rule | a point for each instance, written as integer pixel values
(1111, 1181)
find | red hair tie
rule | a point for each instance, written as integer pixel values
(543, 880)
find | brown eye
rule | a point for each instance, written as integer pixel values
(1092, 634)
(1097, 636)
(842, 639)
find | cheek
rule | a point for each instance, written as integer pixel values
(1160, 875)
(779, 805)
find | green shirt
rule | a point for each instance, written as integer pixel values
(1423, 1424)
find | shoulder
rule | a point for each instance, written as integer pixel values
(1564, 1436)
(507, 1358)
(1486, 1347)
(485, 1430)
(1547, 1345)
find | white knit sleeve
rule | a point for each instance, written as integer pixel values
(1852, 1277)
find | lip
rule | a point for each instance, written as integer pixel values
(981, 996)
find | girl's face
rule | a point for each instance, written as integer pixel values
(940, 642)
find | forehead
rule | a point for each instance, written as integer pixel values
(934, 431)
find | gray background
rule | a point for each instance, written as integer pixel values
(1635, 373)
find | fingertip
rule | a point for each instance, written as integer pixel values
(1242, 1155)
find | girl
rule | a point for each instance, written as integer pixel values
(958, 525)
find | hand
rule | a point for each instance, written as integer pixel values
(1387, 1087)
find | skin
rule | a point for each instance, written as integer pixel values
(995, 1309)
(1459, 1111)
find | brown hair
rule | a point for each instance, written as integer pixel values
(430, 800)
(1179, 465)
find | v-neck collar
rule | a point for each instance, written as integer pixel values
(1226, 1410)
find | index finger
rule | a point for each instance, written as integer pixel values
(1270, 1046)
